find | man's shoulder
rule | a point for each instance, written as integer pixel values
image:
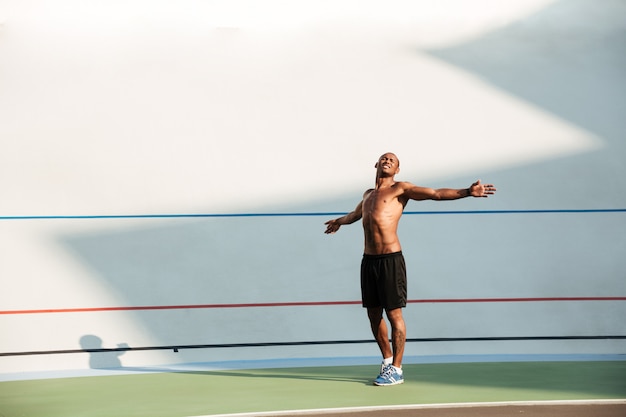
(403, 185)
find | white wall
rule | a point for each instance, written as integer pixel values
(147, 107)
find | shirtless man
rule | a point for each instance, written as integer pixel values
(383, 272)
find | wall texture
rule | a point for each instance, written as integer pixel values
(115, 119)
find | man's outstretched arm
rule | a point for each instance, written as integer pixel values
(333, 225)
(477, 189)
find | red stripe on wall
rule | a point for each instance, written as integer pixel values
(303, 304)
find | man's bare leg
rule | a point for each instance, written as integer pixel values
(398, 335)
(379, 330)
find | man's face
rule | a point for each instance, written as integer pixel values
(388, 165)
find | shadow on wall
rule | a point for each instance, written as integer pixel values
(567, 59)
(226, 261)
(100, 358)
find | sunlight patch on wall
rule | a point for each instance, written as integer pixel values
(440, 22)
(150, 111)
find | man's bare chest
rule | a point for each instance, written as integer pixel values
(378, 201)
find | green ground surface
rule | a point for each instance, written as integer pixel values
(180, 394)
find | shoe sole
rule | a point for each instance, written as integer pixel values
(390, 384)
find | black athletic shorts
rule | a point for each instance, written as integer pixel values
(383, 281)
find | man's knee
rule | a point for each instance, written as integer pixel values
(395, 316)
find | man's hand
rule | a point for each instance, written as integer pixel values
(481, 190)
(332, 226)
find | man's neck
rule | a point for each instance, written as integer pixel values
(384, 182)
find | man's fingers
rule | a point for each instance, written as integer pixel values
(483, 190)
(488, 189)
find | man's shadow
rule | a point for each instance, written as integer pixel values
(99, 357)
(279, 374)
(103, 358)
